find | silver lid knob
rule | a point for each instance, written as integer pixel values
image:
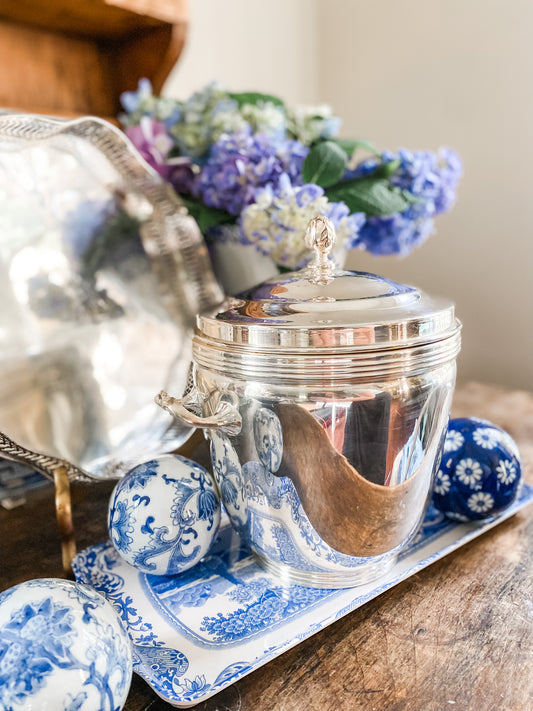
(320, 236)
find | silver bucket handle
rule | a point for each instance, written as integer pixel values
(226, 416)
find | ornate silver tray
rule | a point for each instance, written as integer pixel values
(101, 274)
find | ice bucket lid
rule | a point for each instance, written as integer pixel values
(324, 307)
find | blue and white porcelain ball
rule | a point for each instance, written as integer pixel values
(62, 648)
(480, 470)
(164, 515)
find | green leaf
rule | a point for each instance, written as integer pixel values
(350, 145)
(373, 196)
(385, 170)
(253, 97)
(411, 199)
(325, 164)
(206, 216)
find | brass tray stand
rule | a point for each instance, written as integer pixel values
(61, 473)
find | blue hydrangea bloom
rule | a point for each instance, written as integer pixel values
(242, 162)
(396, 234)
(173, 118)
(133, 100)
(431, 178)
(143, 103)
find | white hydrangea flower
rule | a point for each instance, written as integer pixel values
(442, 483)
(469, 472)
(309, 123)
(480, 502)
(506, 471)
(193, 132)
(454, 441)
(264, 117)
(277, 221)
(485, 437)
(229, 121)
(193, 137)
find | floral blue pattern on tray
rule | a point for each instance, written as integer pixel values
(195, 633)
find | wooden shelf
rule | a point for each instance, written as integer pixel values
(75, 57)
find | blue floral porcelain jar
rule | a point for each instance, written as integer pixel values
(480, 471)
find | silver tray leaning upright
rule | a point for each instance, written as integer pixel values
(101, 274)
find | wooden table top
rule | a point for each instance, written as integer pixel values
(458, 635)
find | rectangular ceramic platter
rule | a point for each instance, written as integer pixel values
(198, 632)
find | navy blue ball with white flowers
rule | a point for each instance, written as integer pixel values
(480, 470)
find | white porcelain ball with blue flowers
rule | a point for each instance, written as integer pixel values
(480, 471)
(62, 648)
(164, 515)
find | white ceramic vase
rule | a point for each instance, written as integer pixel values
(238, 266)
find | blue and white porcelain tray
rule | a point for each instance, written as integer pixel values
(195, 633)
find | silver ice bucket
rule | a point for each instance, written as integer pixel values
(325, 395)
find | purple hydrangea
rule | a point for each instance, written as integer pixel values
(152, 141)
(431, 178)
(242, 162)
(246, 159)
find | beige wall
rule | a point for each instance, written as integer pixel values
(251, 44)
(417, 74)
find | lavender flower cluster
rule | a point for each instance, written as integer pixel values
(242, 162)
(249, 159)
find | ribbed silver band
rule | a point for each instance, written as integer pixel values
(319, 366)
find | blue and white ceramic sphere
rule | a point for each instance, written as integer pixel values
(164, 515)
(62, 648)
(480, 471)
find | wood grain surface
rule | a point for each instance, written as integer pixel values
(75, 57)
(458, 635)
